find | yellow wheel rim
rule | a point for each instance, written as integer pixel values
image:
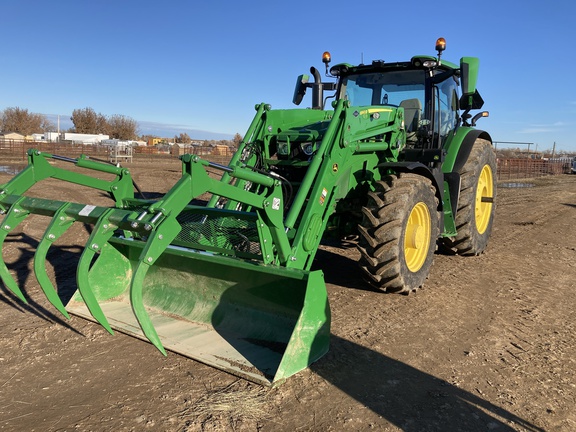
(484, 196)
(417, 238)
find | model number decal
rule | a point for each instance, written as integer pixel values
(86, 210)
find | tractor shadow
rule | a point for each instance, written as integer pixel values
(153, 196)
(341, 267)
(64, 260)
(409, 398)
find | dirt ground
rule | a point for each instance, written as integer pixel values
(489, 344)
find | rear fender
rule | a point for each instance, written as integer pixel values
(457, 150)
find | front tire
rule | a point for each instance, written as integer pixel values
(476, 207)
(398, 233)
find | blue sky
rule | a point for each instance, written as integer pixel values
(198, 65)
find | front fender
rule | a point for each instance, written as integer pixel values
(459, 146)
(419, 168)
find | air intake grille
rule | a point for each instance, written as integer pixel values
(217, 233)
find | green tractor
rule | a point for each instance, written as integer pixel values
(396, 161)
(424, 173)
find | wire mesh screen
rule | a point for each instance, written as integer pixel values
(218, 233)
(138, 208)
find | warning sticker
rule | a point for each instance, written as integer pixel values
(323, 196)
(86, 210)
(275, 203)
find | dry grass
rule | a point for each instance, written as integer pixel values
(237, 403)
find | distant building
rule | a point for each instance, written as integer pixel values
(47, 136)
(155, 141)
(120, 143)
(39, 137)
(115, 142)
(52, 136)
(85, 138)
(12, 136)
(221, 150)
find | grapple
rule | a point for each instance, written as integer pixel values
(212, 282)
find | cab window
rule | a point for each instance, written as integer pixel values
(384, 88)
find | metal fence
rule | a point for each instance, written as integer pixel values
(508, 168)
(12, 149)
(15, 152)
(530, 168)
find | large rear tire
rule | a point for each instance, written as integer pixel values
(475, 213)
(398, 233)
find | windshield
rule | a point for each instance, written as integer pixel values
(384, 88)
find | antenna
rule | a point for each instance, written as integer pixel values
(361, 58)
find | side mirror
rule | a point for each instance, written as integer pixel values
(470, 98)
(469, 74)
(300, 89)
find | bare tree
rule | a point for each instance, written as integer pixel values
(122, 127)
(87, 121)
(237, 140)
(183, 138)
(19, 120)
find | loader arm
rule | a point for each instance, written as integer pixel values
(121, 187)
(344, 148)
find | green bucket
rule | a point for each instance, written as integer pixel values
(262, 323)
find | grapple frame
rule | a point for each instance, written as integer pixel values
(233, 308)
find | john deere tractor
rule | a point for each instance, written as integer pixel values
(427, 176)
(395, 160)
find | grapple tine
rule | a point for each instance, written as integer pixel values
(103, 230)
(137, 303)
(157, 243)
(13, 218)
(59, 224)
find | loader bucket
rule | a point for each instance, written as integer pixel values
(262, 323)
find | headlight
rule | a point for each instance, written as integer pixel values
(307, 148)
(283, 149)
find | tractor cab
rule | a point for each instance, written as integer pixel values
(425, 90)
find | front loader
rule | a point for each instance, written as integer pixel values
(396, 161)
